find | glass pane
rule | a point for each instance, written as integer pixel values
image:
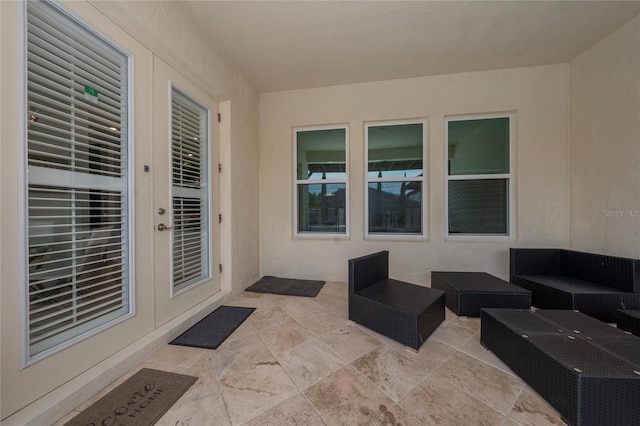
(321, 154)
(76, 96)
(479, 146)
(188, 141)
(189, 242)
(76, 259)
(395, 151)
(395, 207)
(189, 147)
(321, 208)
(478, 206)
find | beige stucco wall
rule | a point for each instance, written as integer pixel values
(605, 145)
(49, 388)
(539, 98)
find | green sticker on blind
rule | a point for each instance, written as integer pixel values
(90, 94)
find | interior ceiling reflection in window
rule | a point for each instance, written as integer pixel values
(321, 154)
(479, 146)
(395, 151)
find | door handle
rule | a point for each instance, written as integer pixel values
(163, 227)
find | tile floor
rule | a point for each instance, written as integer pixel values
(299, 361)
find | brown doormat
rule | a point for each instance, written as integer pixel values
(140, 400)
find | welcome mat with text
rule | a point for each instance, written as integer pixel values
(139, 401)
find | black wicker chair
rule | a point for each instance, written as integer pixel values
(404, 312)
(594, 284)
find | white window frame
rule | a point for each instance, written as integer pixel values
(297, 182)
(26, 358)
(508, 176)
(208, 261)
(424, 234)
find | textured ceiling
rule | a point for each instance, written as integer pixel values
(301, 44)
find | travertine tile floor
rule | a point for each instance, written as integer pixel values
(299, 361)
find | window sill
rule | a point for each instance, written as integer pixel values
(480, 238)
(321, 236)
(397, 237)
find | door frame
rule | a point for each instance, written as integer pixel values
(169, 303)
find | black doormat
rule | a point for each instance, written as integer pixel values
(286, 286)
(139, 401)
(212, 330)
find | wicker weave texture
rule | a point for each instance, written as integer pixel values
(594, 284)
(468, 292)
(629, 320)
(590, 377)
(404, 312)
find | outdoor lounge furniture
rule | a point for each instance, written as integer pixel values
(466, 293)
(588, 370)
(404, 312)
(594, 284)
(629, 320)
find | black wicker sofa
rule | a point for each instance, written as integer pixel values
(594, 284)
(588, 370)
(404, 312)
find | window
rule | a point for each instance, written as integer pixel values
(479, 180)
(321, 180)
(395, 178)
(77, 153)
(189, 143)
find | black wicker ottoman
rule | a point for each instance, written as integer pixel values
(629, 320)
(468, 292)
(588, 370)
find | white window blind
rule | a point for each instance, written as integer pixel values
(189, 142)
(77, 197)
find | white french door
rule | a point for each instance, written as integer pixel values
(186, 194)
